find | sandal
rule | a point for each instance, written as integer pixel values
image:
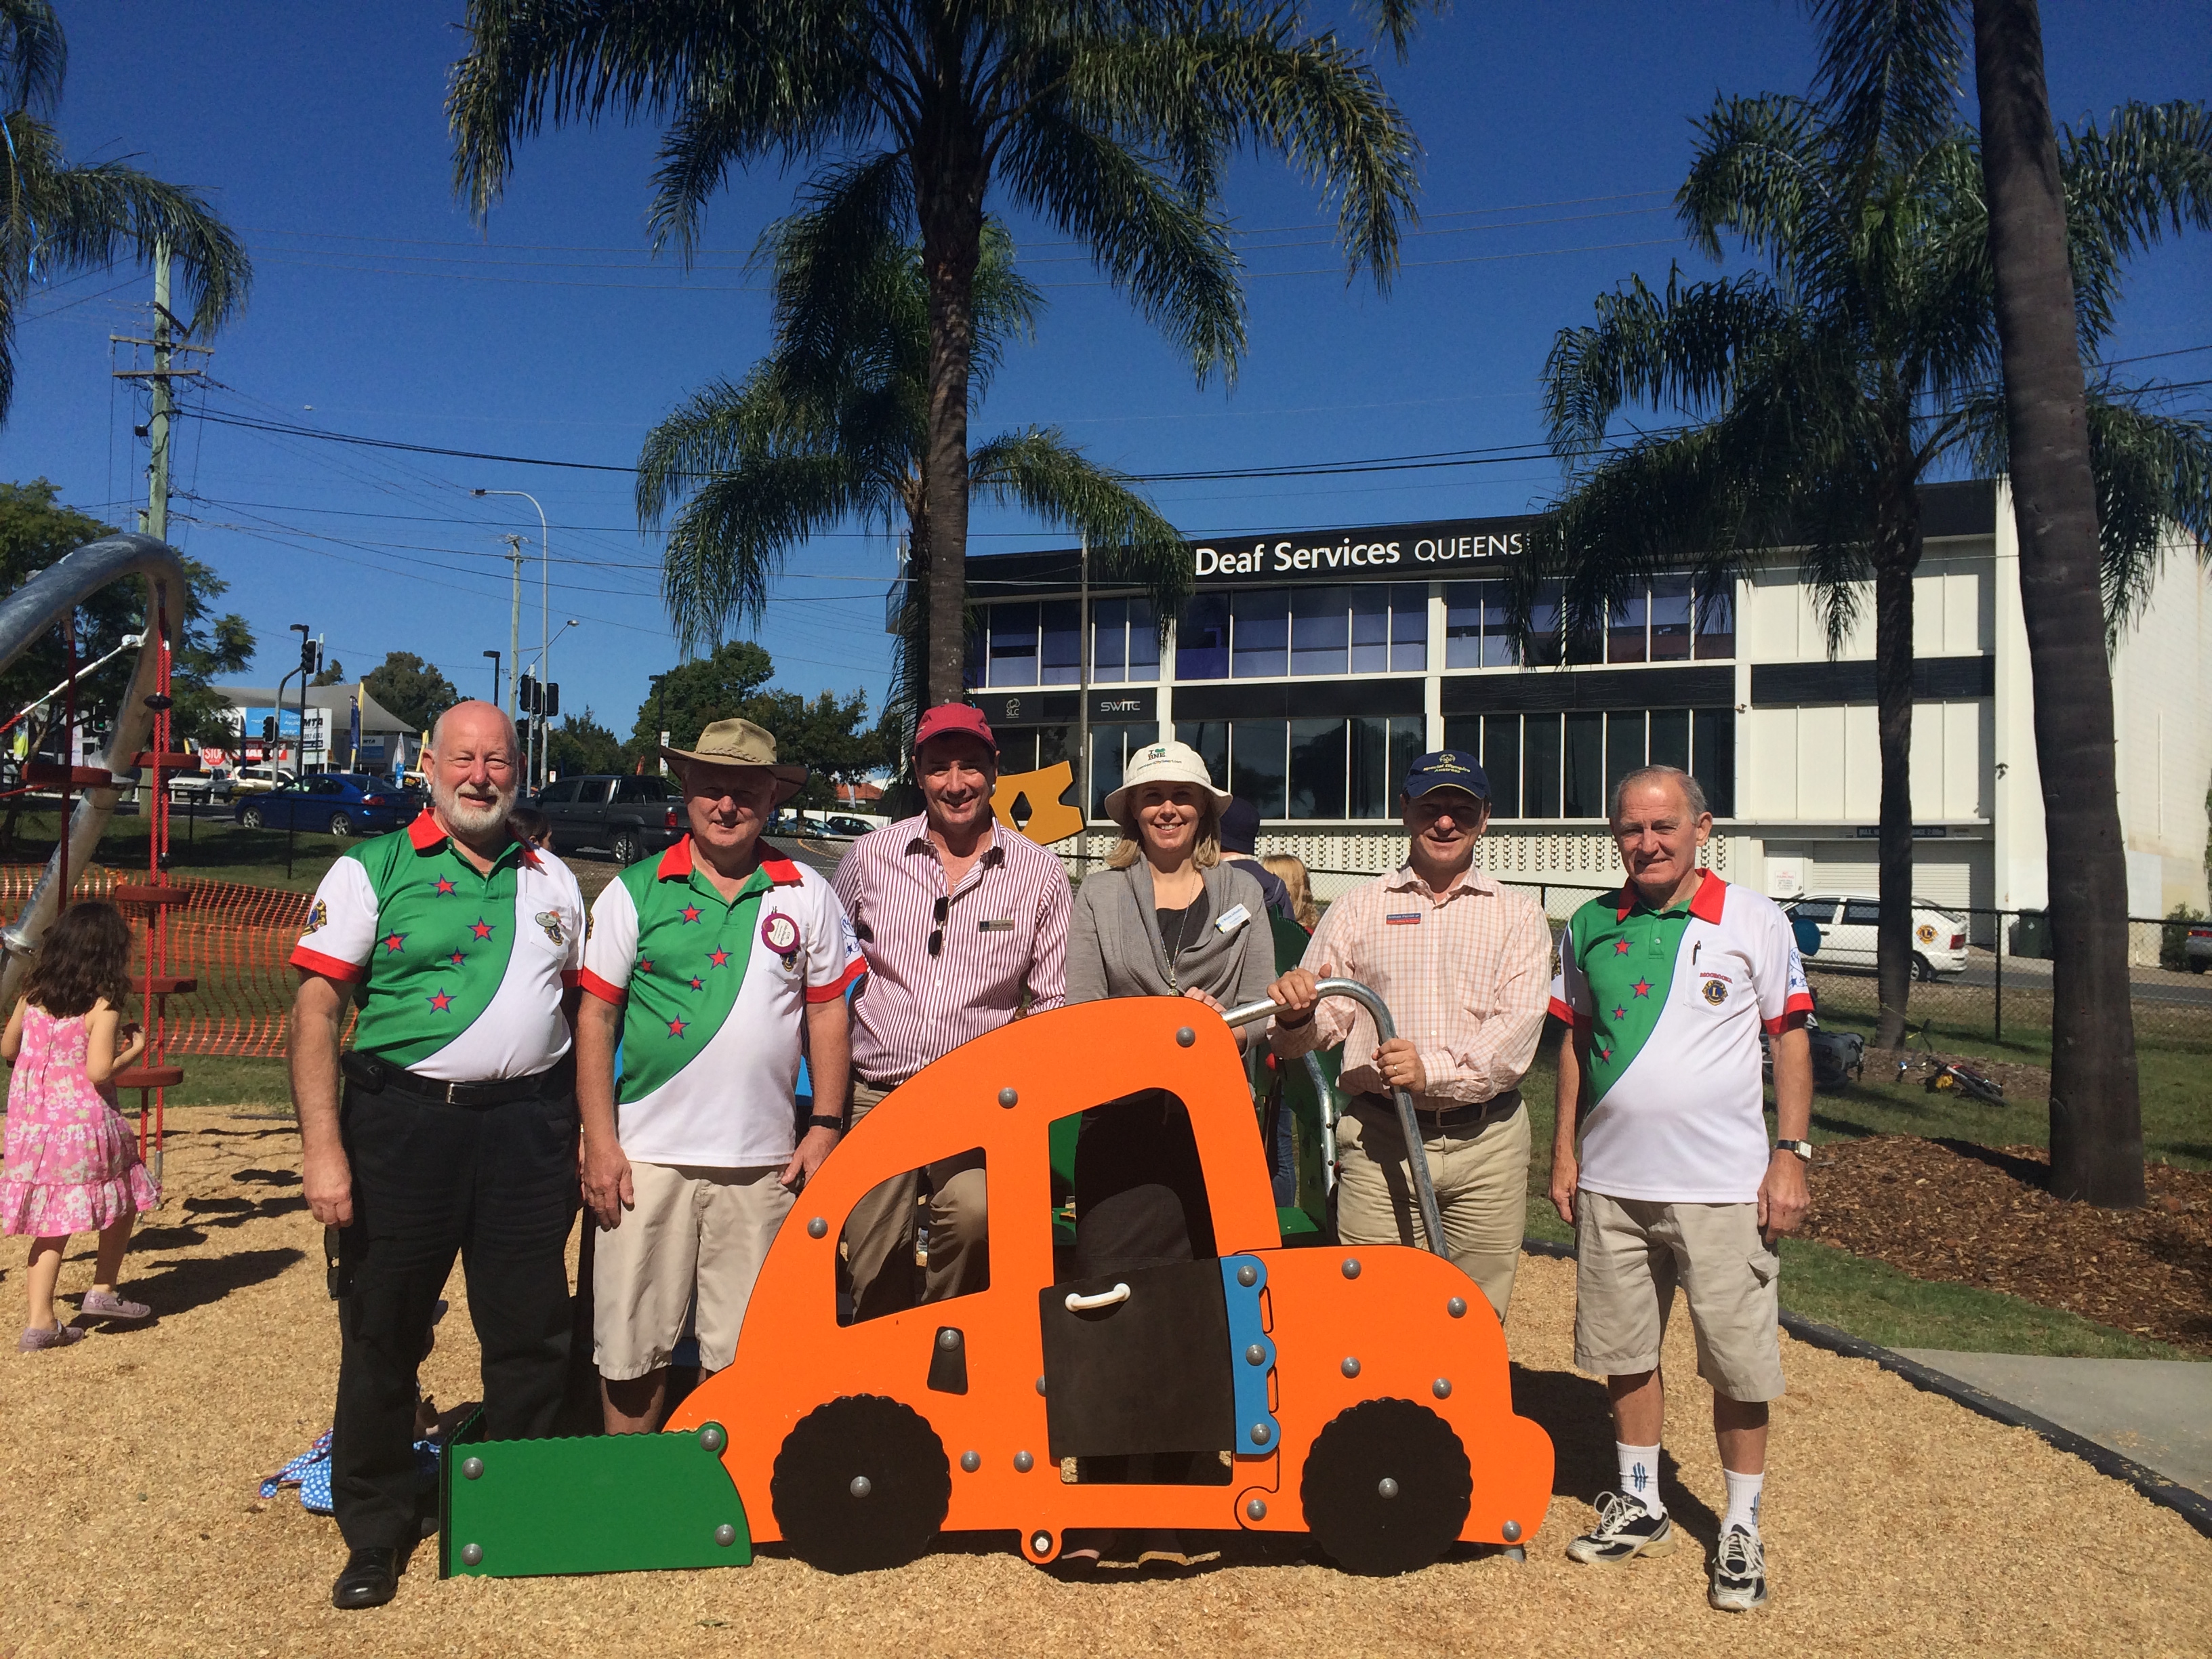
(105, 1305)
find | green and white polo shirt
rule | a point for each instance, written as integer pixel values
(1673, 1002)
(714, 993)
(460, 972)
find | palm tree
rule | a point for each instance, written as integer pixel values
(835, 423)
(1114, 122)
(57, 218)
(1820, 393)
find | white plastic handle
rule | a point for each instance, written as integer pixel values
(1103, 1299)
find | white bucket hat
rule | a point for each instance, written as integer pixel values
(1160, 762)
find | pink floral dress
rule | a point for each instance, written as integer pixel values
(72, 1163)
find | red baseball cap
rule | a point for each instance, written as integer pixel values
(963, 717)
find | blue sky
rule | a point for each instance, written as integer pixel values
(1554, 135)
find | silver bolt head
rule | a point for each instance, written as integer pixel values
(1040, 1385)
(971, 1461)
(1009, 1097)
(815, 1227)
(711, 1438)
(472, 1468)
(1456, 1307)
(472, 1555)
(1386, 1487)
(1185, 1037)
(1440, 1388)
(1512, 1531)
(1261, 1434)
(1041, 1542)
(860, 1486)
(1257, 1509)
(1023, 1462)
(948, 1338)
(1351, 1366)
(725, 1534)
(1247, 1275)
(1351, 1267)
(1256, 1354)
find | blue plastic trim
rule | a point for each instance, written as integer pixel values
(1247, 1331)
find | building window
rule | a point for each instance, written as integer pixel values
(1011, 654)
(1317, 754)
(1109, 758)
(1125, 641)
(1670, 619)
(1258, 767)
(1310, 633)
(1313, 768)
(1665, 621)
(1476, 635)
(1717, 624)
(1061, 631)
(1564, 766)
(1628, 628)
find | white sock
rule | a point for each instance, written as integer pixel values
(1639, 1475)
(1743, 1492)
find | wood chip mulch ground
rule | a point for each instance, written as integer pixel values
(2022, 1083)
(1976, 1215)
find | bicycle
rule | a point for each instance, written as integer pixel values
(1945, 1076)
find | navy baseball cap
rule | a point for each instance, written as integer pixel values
(1447, 769)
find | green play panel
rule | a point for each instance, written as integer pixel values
(617, 1502)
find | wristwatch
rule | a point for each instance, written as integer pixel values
(818, 1121)
(1802, 1148)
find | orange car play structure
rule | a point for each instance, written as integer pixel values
(1360, 1394)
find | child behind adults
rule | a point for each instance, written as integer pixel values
(71, 1164)
(1291, 869)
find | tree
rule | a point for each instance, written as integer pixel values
(835, 423)
(411, 688)
(580, 744)
(334, 674)
(56, 218)
(691, 697)
(1820, 393)
(1113, 123)
(827, 734)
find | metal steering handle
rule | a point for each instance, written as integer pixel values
(1416, 1156)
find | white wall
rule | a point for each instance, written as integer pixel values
(1954, 609)
(2162, 719)
(1822, 763)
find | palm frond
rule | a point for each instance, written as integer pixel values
(33, 56)
(1131, 542)
(2154, 471)
(1889, 72)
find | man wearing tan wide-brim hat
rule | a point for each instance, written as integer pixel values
(703, 964)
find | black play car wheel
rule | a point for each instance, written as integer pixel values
(861, 1483)
(1386, 1487)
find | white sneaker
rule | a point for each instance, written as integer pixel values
(1739, 1573)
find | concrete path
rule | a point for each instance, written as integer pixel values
(2158, 1412)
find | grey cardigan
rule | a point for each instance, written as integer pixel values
(1114, 946)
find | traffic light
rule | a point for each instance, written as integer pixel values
(525, 694)
(551, 693)
(268, 728)
(311, 657)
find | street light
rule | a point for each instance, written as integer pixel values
(493, 655)
(545, 673)
(545, 596)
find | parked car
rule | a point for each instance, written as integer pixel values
(260, 779)
(841, 825)
(2196, 947)
(1847, 925)
(200, 788)
(625, 815)
(331, 803)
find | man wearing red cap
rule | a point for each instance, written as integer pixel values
(959, 921)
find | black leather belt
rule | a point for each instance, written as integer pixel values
(378, 1075)
(1478, 1114)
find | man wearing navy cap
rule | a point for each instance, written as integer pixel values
(1465, 965)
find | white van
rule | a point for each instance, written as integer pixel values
(1847, 925)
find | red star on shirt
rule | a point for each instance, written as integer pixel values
(691, 913)
(1605, 1054)
(1644, 988)
(644, 967)
(442, 1002)
(1620, 1013)
(481, 928)
(675, 1028)
(720, 958)
(698, 985)
(445, 884)
(392, 942)
(1621, 947)
(457, 958)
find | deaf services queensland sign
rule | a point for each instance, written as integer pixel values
(1398, 552)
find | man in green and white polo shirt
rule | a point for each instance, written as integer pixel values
(706, 964)
(457, 1131)
(1667, 988)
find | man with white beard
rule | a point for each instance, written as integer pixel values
(455, 1130)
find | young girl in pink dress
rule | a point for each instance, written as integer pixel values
(72, 1164)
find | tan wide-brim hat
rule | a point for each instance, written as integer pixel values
(1160, 762)
(740, 743)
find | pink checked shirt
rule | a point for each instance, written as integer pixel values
(1466, 975)
(1005, 931)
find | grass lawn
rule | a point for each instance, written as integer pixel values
(1869, 1299)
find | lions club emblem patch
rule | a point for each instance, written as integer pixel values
(780, 934)
(551, 923)
(1716, 991)
(319, 917)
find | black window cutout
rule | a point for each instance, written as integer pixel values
(883, 1248)
(1862, 912)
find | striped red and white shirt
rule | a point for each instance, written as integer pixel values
(1006, 932)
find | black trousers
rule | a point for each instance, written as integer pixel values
(496, 1185)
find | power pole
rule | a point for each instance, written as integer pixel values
(1082, 704)
(166, 342)
(514, 619)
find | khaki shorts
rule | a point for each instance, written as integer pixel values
(1630, 1253)
(694, 1229)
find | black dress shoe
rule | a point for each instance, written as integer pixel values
(370, 1579)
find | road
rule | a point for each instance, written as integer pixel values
(2030, 973)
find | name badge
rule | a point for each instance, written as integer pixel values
(1403, 919)
(780, 934)
(1231, 918)
(996, 925)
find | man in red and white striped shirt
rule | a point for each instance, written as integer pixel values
(959, 921)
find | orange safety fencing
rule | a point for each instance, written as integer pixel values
(233, 939)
